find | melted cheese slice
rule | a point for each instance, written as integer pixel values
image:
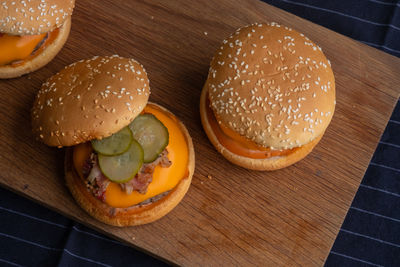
(13, 47)
(164, 179)
(238, 144)
(80, 155)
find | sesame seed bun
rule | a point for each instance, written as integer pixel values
(137, 214)
(268, 164)
(40, 60)
(274, 87)
(34, 16)
(89, 99)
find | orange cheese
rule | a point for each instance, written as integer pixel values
(80, 155)
(13, 47)
(164, 179)
(238, 144)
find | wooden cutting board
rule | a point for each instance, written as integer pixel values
(236, 216)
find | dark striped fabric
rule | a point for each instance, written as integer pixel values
(31, 235)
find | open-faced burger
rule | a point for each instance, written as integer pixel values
(129, 161)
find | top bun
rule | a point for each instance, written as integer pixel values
(272, 85)
(33, 16)
(89, 99)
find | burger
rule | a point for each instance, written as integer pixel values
(268, 98)
(32, 33)
(128, 161)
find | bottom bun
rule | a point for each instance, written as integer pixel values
(268, 164)
(134, 215)
(41, 59)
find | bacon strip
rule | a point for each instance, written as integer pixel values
(97, 183)
(144, 177)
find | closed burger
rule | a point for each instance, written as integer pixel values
(268, 98)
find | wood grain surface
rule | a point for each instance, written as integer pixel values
(236, 216)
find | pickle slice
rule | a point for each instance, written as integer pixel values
(115, 144)
(151, 134)
(122, 168)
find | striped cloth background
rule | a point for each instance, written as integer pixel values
(31, 235)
